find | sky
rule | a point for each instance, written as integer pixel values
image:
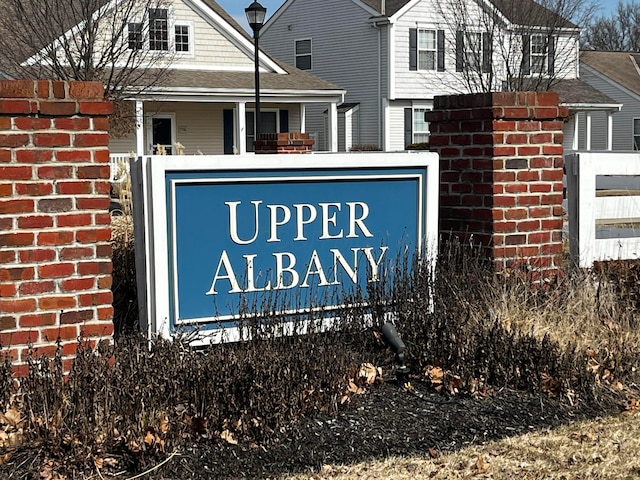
(236, 8)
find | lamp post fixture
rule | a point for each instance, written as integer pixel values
(255, 16)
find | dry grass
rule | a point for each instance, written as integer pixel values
(602, 449)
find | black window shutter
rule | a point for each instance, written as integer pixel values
(526, 54)
(284, 121)
(408, 126)
(413, 49)
(459, 51)
(440, 49)
(487, 50)
(552, 55)
(227, 131)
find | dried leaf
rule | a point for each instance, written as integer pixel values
(13, 417)
(482, 466)
(550, 385)
(368, 373)
(164, 424)
(149, 438)
(436, 375)
(228, 436)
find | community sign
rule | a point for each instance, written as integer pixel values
(222, 234)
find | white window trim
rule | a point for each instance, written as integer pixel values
(634, 134)
(295, 52)
(545, 55)
(435, 48)
(149, 122)
(426, 108)
(172, 22)
(192, 43)
(469, 53)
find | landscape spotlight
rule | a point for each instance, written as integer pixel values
(392, 337)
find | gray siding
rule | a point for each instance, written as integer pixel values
(344, 51)
(622, 120)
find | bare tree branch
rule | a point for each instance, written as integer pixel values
(514, 45)
(620, 33)
(85, 40)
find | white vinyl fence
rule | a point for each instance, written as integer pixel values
(603, 198)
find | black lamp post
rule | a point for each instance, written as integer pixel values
(255, 16)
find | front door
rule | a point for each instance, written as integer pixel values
(162, 135)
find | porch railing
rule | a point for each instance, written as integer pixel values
(119, 163)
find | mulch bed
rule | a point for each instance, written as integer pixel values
(387, 421)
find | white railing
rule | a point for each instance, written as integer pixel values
(603, 197)
(119, 163)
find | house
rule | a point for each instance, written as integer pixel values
(394, 56)
(204, 100)
(617, 74)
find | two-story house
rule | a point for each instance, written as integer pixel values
(204, 102)
(394, 56)
(617, 74)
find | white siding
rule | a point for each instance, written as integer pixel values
(396, 125)
(344, 52)
(211, 46)
(622, 120)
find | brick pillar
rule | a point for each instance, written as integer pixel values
(501, 174)
(55, 250)
(284, 143)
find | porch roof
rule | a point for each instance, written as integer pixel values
(578, 95)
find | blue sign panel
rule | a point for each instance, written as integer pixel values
(301, 236)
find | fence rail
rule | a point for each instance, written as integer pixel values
(603, 197)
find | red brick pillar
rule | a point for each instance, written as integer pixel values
(501, 174)
(284, 143)
(55, 251)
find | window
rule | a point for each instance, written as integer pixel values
(636, 133)
(427, 49)
(268, 124)
(135, 35)
(538, 54)
(182, 38)
(420, 126)
(473, 52)
(303, 54)
(158, 29)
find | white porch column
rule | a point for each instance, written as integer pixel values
(241, 128)
(140, 150)
(588, 132)
(576, 131)
(609, 130)
(332, 141)
(303, 118)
